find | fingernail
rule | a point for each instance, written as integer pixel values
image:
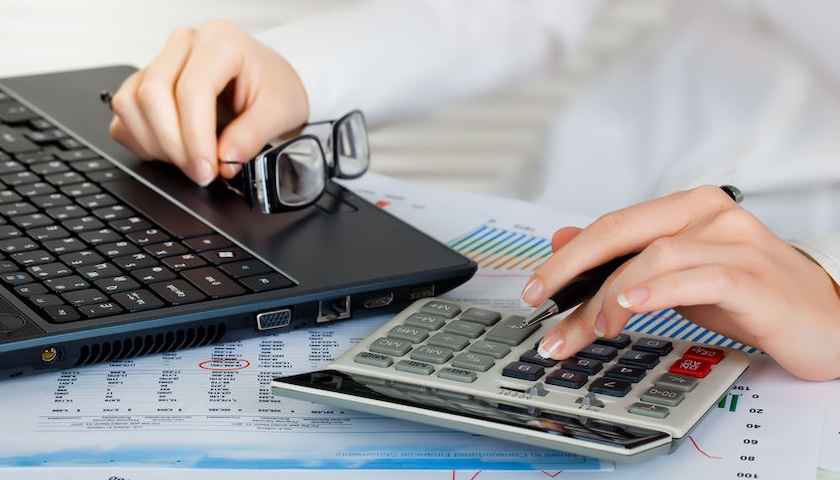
(200, 172)
(533, 292)
(633, 297)
(600, 324)
(232, 155)
(551, 344)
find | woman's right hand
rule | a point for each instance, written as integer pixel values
(213, 95)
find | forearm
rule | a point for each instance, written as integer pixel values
(396, 58)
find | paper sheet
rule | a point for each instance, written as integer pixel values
(208, 413)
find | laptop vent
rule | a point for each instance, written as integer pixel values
(149, 344)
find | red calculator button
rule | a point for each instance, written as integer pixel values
(699, 352)
(691, 367)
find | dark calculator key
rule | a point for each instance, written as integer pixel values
(531, 356)
(611, 387)
(628, 374)
(585, 365)
(567, 378)
(653, 345)
(639, 359)
(523, 371)
(620, 341)
(602, 353)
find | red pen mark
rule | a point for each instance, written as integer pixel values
(224, 364)
(701, 450)
(471, 478)
(382, 203)
(552, 475)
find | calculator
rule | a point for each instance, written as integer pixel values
(476, 369)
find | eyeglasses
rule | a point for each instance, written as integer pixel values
(292, 173)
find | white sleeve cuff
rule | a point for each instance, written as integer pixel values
(825, 251)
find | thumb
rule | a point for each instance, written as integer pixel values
(248, 133)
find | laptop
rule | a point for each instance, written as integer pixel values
(104, 256)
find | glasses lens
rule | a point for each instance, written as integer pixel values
(350, 144)
(300, 172)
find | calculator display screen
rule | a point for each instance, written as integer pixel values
(554, 423)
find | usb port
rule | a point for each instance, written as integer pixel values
(334, 309)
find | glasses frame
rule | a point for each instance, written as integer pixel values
(257, 183)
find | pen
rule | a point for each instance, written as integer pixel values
(585, 285)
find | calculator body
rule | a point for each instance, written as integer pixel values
(623, 399)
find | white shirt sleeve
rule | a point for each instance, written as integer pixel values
(825, 251)
(396, 58)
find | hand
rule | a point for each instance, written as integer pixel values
(168, 110)
(711, 260)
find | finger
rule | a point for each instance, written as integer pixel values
(572, 333)
(129, 124)
(155, 94)
(563, 236)
(214, 62)
(622, 232)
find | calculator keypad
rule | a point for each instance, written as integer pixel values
(460, 345)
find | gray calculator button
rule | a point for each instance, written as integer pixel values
(510, 332)
(494, 349)
(675, 381)
(663, 396)
(473, 361)
(444, 309)
(412, 366)
(431, 354)
(390, 346)
(449, 340)
(373, 359)
(468, 329)
(480, 315)
(457, 374)
(649, 410)
(407, 332)
(425, 320)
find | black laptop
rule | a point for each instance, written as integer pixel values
(105, 257)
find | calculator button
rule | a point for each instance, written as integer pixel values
(601, 353)
(467, 329)
(524, 371)
(653, 345)
(412, 366)
(699, 352)
(407, 332)
(628, 374)
(584, 365)
(457, 374)
(531, 356)
(674, 381)
(639, 359)
(444, 309)
(663, 396)
(425, 320)
(649, 410)
(566, 378)
(373, 360)
(621, 341)
(495, 350)
(449, 340)
(390, 346)
(436, 355)
(691, 367)
(482, 316)
(510, 332)
(473, 361)
(611, 387)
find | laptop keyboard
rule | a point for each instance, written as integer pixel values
(71, 248)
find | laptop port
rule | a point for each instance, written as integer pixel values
(381, 301)
(334, 309)
(422, 292)
(274, 319)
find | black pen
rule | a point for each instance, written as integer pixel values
(585, 285)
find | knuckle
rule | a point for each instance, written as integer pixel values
(663, 251)
(610, 225)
